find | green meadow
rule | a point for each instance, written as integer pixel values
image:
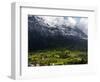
(58, 56)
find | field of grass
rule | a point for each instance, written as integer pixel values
(59, 56)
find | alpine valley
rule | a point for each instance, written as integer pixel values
(56, 40)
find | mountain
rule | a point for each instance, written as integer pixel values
(42, 35)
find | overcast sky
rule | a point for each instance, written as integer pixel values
(53, 20)
(80, 22)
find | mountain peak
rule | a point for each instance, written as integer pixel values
(58, 25)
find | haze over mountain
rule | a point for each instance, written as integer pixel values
(56, 31)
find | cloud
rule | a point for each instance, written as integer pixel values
(52, 21)
(70, 22)
(80, 22)
(83, 25)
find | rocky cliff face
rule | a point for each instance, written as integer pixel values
(42, 34)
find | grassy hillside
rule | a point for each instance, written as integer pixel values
(58, 56)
